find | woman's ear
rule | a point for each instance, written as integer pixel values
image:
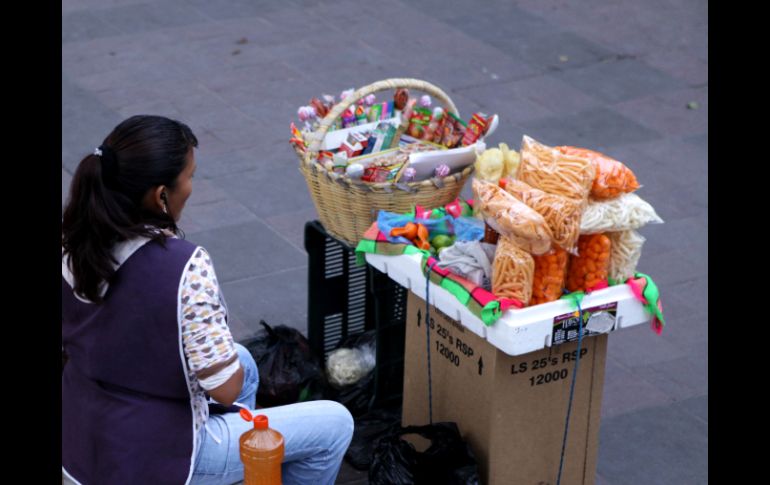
(160, 198)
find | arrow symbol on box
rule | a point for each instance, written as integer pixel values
(481, 365)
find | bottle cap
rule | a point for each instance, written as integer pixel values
(246, 415)
(260, 421)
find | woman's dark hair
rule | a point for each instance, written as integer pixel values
(105, 200)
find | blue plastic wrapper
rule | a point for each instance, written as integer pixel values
(469, 229)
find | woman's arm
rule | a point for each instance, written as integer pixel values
(208, 343)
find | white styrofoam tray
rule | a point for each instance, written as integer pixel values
(518, 331)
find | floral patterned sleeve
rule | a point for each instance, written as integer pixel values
(208, 343)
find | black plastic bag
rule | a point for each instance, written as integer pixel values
(289, 371)
(448, 460)
(368, 429)
(359, 396)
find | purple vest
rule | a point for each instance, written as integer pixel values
(126, 408)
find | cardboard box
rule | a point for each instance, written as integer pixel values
(511, 410)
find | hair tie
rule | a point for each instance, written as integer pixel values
(109, 162)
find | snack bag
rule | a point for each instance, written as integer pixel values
(490, 165)
(626, 249)
(548, 169)
(550, 273)
(622, 213)
(511, 217)
(562, 214)
(591, 267)
(476, 128)
(612, 177)
(512, 271)
(512, 159)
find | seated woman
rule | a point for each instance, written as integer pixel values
(144, 326)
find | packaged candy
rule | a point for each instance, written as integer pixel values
(454, 129)
(355, 170)
(441, 170)
(375, 112)
(418, 122)
(400, 98)
(361, 115)
(348, 118)
(434, 125)
(320, 108)
(476, 128)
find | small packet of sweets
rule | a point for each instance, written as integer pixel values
(419, 122)
(453, 132)
(476, 128)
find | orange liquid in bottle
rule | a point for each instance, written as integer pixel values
(261, 453)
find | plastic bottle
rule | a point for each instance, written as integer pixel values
(261, 452)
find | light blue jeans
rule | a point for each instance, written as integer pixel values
(316, 435)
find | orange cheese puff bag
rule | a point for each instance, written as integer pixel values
(550, 272)
(512, 271)
(591, 267)
(612, 177)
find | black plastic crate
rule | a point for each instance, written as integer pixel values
(345, 300)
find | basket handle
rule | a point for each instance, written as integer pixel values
(384, 85)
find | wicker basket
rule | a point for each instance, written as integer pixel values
(348, 207)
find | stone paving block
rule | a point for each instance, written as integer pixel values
(674, 266)
(149, 70)
(682, 378)
(668, 113)
(227, 9)
(84, 25)
(85, 123)
(222, 213)
(614, 81)
(507, 101)
(248, 250)
(292, 225)
(624, 393)
(639, 346)
(554, 94)
(502, 25)
(696, 406)
(660, 445)
(146, 17)
(589, 128)
(279, 298)
(269, 192)
(115, 53)
(680, 65)
(75, 5)
(560, 51)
